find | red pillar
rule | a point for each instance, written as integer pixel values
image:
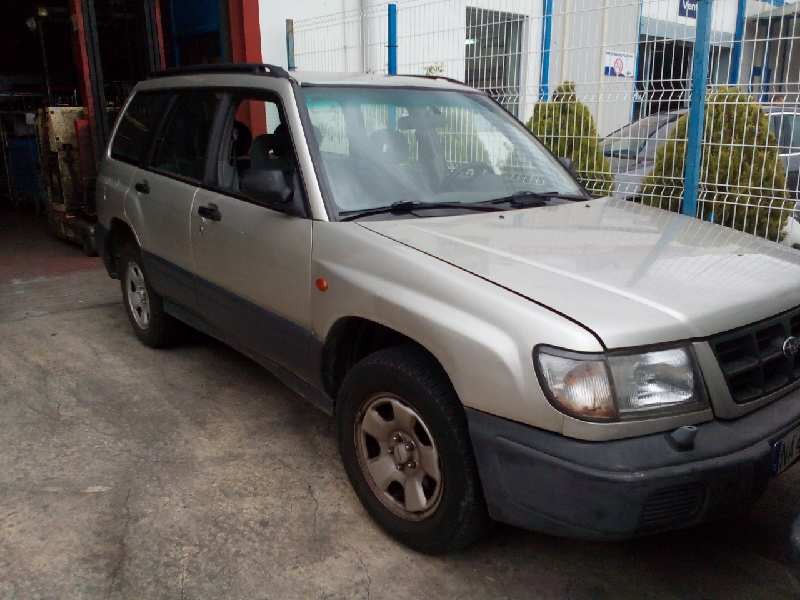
(160, 33)
(245, 31)
(246, 48)
(83, 62)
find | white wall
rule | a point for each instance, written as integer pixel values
(273, 15)
(723, 14)
(431, 34)
(583, 30)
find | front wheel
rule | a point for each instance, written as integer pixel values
(405, 446)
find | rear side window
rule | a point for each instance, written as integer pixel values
(137, 126)
(182, 144)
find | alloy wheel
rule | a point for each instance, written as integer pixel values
(398, 457)
(138, 298)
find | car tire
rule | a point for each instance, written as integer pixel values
(145, 308)
(87, 245)
(397, 409)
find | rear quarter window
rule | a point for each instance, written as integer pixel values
(137, 125)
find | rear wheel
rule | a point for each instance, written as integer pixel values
(145, 308)
(405, 446)
(87, 245)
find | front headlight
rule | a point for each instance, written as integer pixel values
(621, 385)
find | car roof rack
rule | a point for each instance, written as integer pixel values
(442, 77)
(242, 68)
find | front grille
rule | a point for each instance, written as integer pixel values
(752, 358)
(671, 507)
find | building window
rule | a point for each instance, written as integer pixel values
(493, 51)
(666, 68)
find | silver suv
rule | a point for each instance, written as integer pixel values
(491, 341)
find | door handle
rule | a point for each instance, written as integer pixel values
(210, 212)
(142, 187)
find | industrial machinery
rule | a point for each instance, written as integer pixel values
(65, 154)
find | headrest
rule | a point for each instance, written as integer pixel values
(281, 144)
(242, 139)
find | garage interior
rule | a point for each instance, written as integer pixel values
(66, 68)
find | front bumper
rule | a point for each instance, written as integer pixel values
(546, 482)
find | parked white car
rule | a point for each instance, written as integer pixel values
(791, 235)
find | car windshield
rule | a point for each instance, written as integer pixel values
(630, 140)
(786, 127)
(382, 146)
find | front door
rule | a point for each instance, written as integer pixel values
(253, 263)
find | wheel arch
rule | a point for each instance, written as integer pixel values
(351, 339)
(119, 232)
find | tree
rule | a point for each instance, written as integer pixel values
(742, 178)
(566, 126)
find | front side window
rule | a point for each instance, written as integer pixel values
(182, 145)
(137, 124)
(257, 159)
(380, 146)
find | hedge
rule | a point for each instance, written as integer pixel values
(743, 181)
(566, 126)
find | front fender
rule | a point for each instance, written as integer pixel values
(481, 334)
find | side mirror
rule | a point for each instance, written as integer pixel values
(622, 153)
(567, 163)
(267, 187)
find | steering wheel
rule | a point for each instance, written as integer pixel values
(470, 170)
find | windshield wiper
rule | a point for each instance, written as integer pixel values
(407, 206)
(527, 198)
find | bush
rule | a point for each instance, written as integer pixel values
(743, 181)
(566, 126)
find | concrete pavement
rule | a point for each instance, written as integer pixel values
(186, 473)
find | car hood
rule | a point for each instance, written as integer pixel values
(632, 274)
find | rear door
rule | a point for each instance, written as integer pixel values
(132, 138)
(160, 199)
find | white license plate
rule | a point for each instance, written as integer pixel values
(785, 451)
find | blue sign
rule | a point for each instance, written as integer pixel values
(687, 8)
